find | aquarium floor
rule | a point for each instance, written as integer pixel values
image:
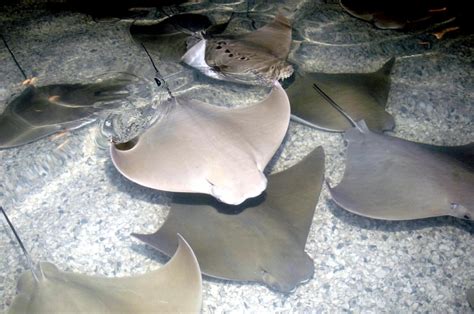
(72, 208)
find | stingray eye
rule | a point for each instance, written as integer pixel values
(219, 47)
(127, 145)
(466, 216)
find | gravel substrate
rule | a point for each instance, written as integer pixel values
(72, 208)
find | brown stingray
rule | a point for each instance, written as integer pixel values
(167, 38)
(175, 287)
(400, 14)
(256, 58)
(41, 111)
(362, 96)
(262, 239)
(394, 179)
(197, 147)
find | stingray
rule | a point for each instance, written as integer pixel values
(168, 38)
(197, 147)
(262, 239)
(175, 287)
(258, 57)
(362, 96)
(41, 111)
(395, 179)
(400, 14)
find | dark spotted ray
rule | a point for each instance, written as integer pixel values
(167, 38)
(262, 239)
(400, 14)
(197, 147)
(256, 58)
(175, 287)
(41, 111)
(394, 179)
(362, 96)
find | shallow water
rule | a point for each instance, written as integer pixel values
(72, 208)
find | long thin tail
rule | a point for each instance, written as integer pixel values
(27, 255)
(338, 108)
(13, 57)
(159, 78)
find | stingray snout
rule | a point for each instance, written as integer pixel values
(236, 196)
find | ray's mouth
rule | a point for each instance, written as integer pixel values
(127, 145)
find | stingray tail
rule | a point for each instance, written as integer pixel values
(338, 108)
(25, 252)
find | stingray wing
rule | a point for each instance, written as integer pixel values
(393, 179)
(41, 111)
(275, 38)
(202, 148)
(361, 96)
(262, 239)
(176, 287)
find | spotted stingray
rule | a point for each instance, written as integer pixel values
(258, 57)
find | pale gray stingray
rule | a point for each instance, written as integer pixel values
(260, 240)
(197, 147)
(394, 179)
(167, 38)
(41, 111)
(258, 57)
(176, 287)
(362, 96)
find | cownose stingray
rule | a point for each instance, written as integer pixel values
(167, 38)
(399, 14)
(197, 147)
(258, 57)
(395, 179)
(175, 287)
(41, 111)
(361, 95)
(262, 239)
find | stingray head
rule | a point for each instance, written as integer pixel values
(234, 188)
